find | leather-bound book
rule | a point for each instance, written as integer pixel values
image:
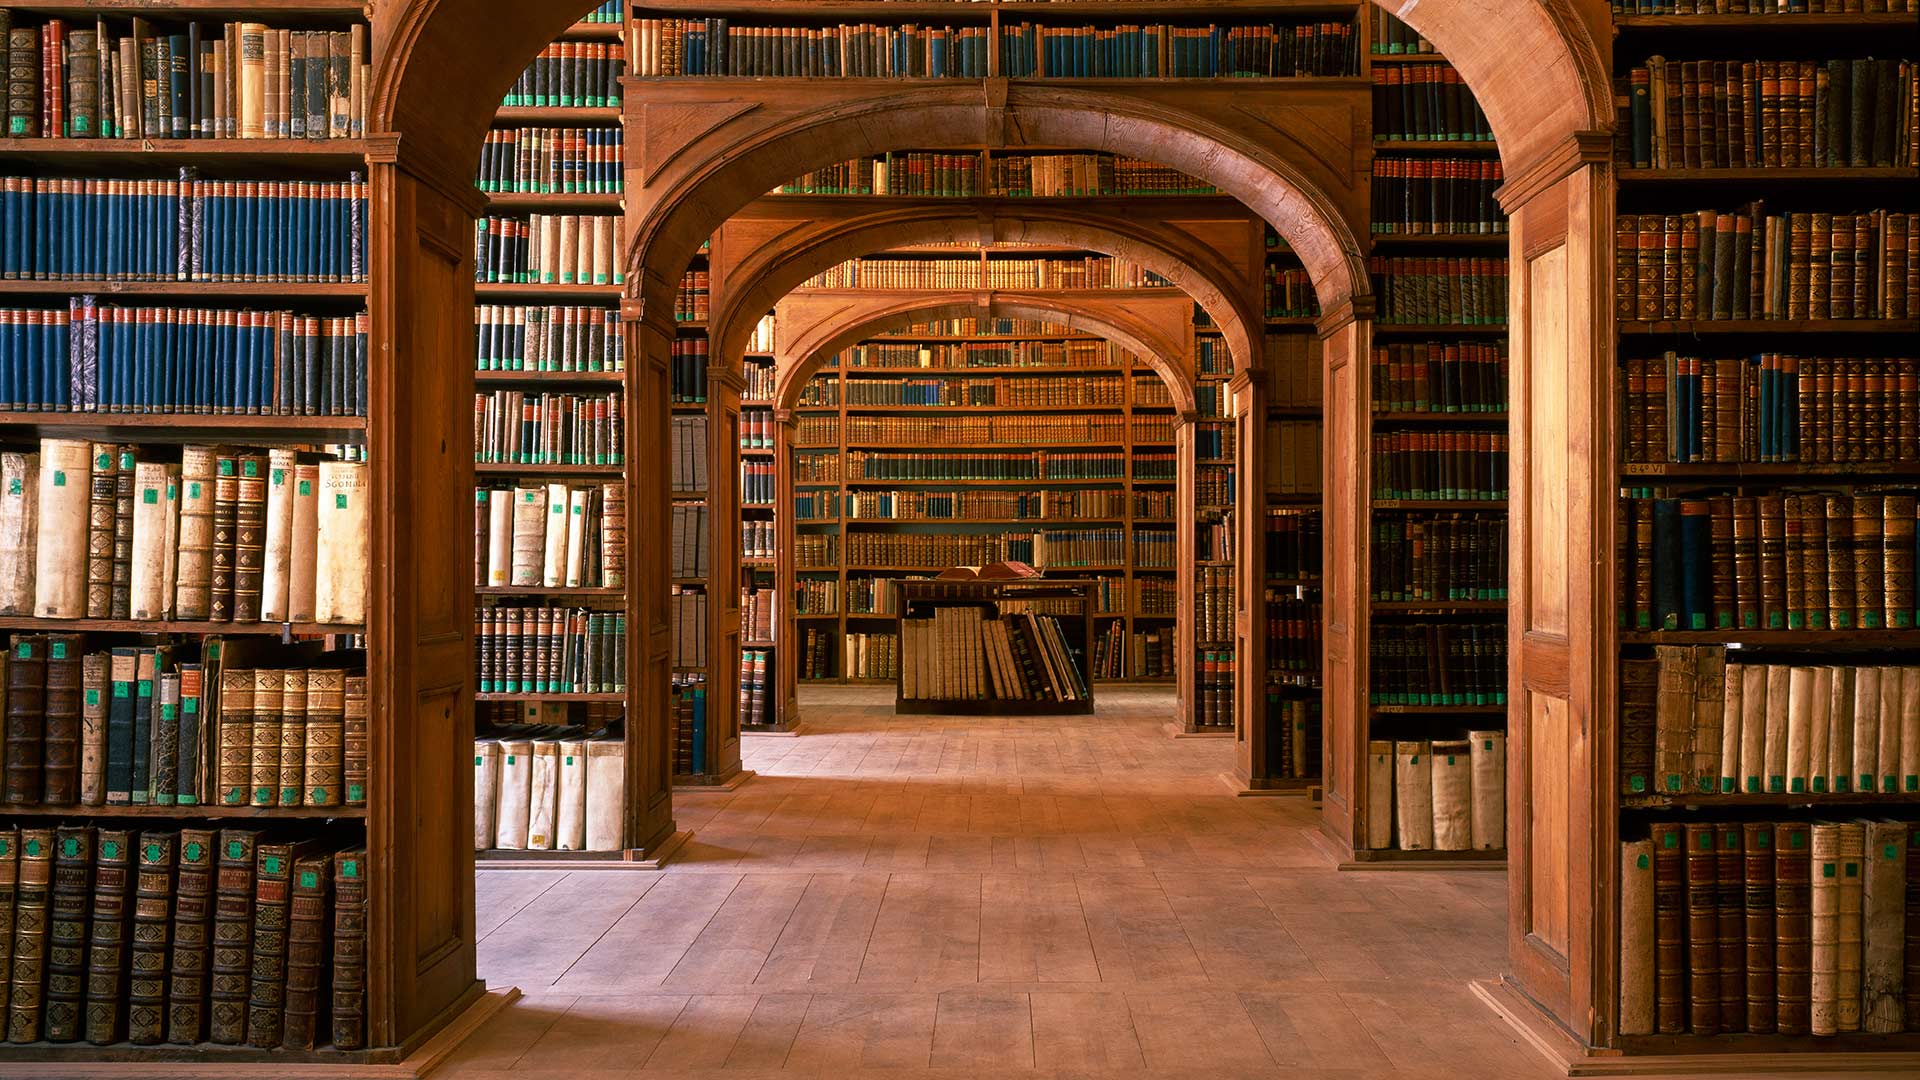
(1792, 923)
(120, 597)
(1733, 702)
(326, 716)
(1883, 928)
(308, 937)
(353, 741)
(606, 794)
(1840, 563)
(350, 949)
(340, 576)
(1912, 950)
(305, 538)
(235, 734)
(1779, 702)
(1702, 930)
(1413, 795)
(1709, 707)
(613, 536)
(1452, 795)
(1636, 938)
(193, 905)
(263, 776)
(1795, 560)
(1673, 721)
(272, 900)
(1897, 562)
(1869, 576)
(95, 690)
(26, 718)
(1731, 874)
(1773, 572)
(232, 951)
(1825, 924)
(107, 936)
(1757, 895)
(123, 671)
(1639, 702)
(68, 912)
(293, 737)
(19, 530)
(1647, 279)
(152, 933)
(31, 900)
(148, 664)
(1746, 562)
(276, 580)
(1670, 929)
(100, 509)
(166, 740)
(9, 885)
(528, 536)
(1819, 735)
(225, 538)
(1489, 789)
(1725, 602)
(1819, 266)
(193, 576)
(1813, 537)
(249, 536)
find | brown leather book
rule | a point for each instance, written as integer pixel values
(350, 949)
(354, 741)
(1897, 562)
(1636, 938)
(1709, 707)
(293, 736)
(1673, 719)
(1793, 934)
(232, 952)
(1813, 538)
(1639, 699)
(235, 733)
(100, 511)
(272, 897)
(1724, 596)
(1757, 896)
(1883, 928)
(308, 933)
(1731, 872)
(269, 690)
(1772, 511)
(250, 536)
(1794, 552)
(9, 884)
(193, 581)
(31, 900)
(1625, 265)
(1703, 930)
(107, 938)
(321, 756)
(68, 911)
(1799, 264)
(152, 932)
(193, 903)
(26, 718)
(120, 598)
(1819, 266)
(1669, 266)
(1912, 954)
(1869, 574)
(1670, 929)
(1840, 560)
(1746, 562)
(60, 752)
(1647, 269)
(226, 526)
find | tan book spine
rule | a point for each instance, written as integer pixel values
(1910, 733)
(253, 81)
(1840, 771)
(193, 573)
(529, 536)
(1883, 969)
(1379, 817)
(1866, 729)
(1673, 719)
(486, 786)
(1489, 759)
(340, 582)
(1848, 932)
(354, 745)
(95, 687)
(1800, 690)
(570, 820)
(1753, 728)
(1826, 930)
(1413, 794)
(499, 537)
(1818, 732)
(553, 563)
(293, 737)
(19, 520)
(269, 693)
(303, 542)
(1709, 702)
(170, 563)
(148, 597)
(276, 585)
(1779, 703)
(543, 799)
(321, 780)
(1636, 938)
(606, 794)
(60, 557)
(516, 794)
(577, 502)
(1452, 795)
(236, 736)
(1731, 706)
(1890, 727)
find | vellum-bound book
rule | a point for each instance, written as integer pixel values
(576, 535)
(553, 566)
(1866, 729)
(19, 513)
(1802, 683)
(1840, 730)
(544, 800)
(1452, 795)
(306, 534)
(606, 794)
(60, 561)
(516, 794)
(1891, 726)
(193, 559)
(149, 599)
(486, 788)
(1636, 938)
(340, 580)
(1910, 733)
(570, 821)
(1413, 794)
(1379, 794)
(499, 537)
(1883, 968)
(276, 585)
(529, 535)
(1489, 754)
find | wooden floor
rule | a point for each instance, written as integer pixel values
(958, 897)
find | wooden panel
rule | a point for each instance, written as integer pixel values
(649, 676)
(1343, 672)
(1546, 442)
(1547, 876)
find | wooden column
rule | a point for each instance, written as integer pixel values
(724, 383)
(1250, 732)
(1345, 340)
(1186, 656)
(786, 652)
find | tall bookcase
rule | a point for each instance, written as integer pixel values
(382, 846)
(527, 178)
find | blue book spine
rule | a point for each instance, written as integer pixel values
(1696, 558)
(1667, 570)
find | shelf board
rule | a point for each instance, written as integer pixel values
(493, 468)
(257, 290)
(1788, 23)
(533, 289)
(1439, 504)
(1709, 802)
(536, 115)
(555, 200)
(541, 590)
(174, 427)
(1063, 522)
(992, 483)
(190, 812)
(975, 13)
(1440, 607)
(173, 626)
(1707, 470)
(1697, 327)
(1427, 240)
(1400, 417)
(1407, 58)
(983, 371)
(604, 378)
(619, 696)
(283, 155)
(593, 31)
(1764, 174)
(1437, 710)
(1451, 329)
(1482, 147)
(1428, 855)
(1818, 639)
(1278, 322)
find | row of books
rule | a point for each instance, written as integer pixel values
(871, 656)
(106, 531)
(1086, 352)
(1756, 7)
(688, 556)
(760, 379)
(1445, 289)
(1427, 195)
(550, 536)
(687, 370)
(1293, 630)
(1794, 927)
(1795, 560)
(1293, 736)
(756, 687)
(1213, 485)
(1213, 689)
(758, 537)
(938, 550)
(816, 660)
(94, 357)
(570, 75)
(756, 614)
(757, 427)
(1293, 538)
(1213, 442)
(973, 173)
(979, 326)
(1443, 795)
(946, 505)
(758, 481)
(1392, 37)
(687, 612)
(1833, 114)
(553, 161)
(1157, 51)
(820, 551)
(547, 794)
(712, 47)
(1439, 557)
(550, 650)
(1003, 465)
(1212, 605)
(1691, 723)
(1435, 377)
(60, 229)
(959, 654)
(1151, 390)
(689, 453)
(1429, 664)
(1748, 264)
(687, 711)
(816, 596)
(550, 249)
(693, 303)
(226, 81)
(1771, 407)
(548, 337)
(1467, 465)
(875, 595)
(969, 272)
(1143, 654)
(975, 390)
(608, 13)
(1294, 461)
(182, 725)
(184, 937)
(1290, 293)
(1426, 103)
(1109, 430)
(518, 427)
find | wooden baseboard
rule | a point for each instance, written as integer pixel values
(1424, 859)
(694, 786)
(1179, 731)
(776, 732)
(660, 854)
(1245, 790)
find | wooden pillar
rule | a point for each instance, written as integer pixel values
(1250, 732)
(786, 653)
(1186, 663)
(724, 383)
(1345, 338)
